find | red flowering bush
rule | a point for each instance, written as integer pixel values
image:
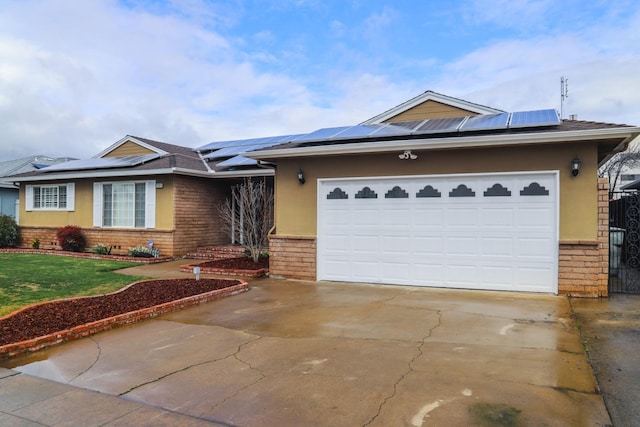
(70, 238)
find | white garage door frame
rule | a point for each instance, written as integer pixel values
(477, 242)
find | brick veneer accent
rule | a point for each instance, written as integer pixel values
(292, 257)
(119, 239)
(196, 223)
(583, 266)
(15, 349)
(196, 217)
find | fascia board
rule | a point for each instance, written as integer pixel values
(445, 143)
(121, 174)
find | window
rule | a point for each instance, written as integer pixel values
(50, 197)
(124, 204)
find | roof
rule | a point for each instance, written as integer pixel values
(26, 164)
(432, 96)
(611, 137)
(165, 159)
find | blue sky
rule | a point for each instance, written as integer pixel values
(77, 76)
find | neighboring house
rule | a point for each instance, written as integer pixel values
(135, 192)
(9, 191)
(442, 192)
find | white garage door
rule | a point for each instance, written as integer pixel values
(497, 231)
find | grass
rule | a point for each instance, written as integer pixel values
(27, 278)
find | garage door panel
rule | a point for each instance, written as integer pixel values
(497, 275)
(475, 231)
(461, 246)
(428, 245)
(497, 246)
(462, 217)
(497, 217)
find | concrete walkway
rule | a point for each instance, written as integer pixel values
(321, 354)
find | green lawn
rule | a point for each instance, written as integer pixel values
(27, 278)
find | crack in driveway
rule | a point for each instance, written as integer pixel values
(186, 368)
(409, 370)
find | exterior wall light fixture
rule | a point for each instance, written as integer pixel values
(575, 166)
(301, 179)
(408, 155)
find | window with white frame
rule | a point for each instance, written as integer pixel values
(50, 197)
(129, 204)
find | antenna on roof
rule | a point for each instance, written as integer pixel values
(564, 94)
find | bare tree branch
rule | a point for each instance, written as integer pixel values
(619, 163)
(248, 216)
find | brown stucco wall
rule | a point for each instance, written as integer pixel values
(296, 204)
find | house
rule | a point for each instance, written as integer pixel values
(437, 191)
(443, 192)
(8, 189)
(135, 193)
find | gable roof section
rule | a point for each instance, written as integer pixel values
(435, 97)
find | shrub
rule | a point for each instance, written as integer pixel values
(70, 238)
(101, 249)
(9, 231)
(35, 243)
(144, 252)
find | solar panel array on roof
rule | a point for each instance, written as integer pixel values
(486, 121)
(449, 124)
(534, 118)
(228, 152)
(102, 163)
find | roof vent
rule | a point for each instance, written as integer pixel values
(573, 117)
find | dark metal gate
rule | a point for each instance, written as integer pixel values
(624, 242)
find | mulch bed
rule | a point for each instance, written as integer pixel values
(47, 318)
(243, 263)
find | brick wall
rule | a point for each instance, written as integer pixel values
(292, 257)
(119, 239)
(196, 203)
(583, 267)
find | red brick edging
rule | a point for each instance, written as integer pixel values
(188, 268)
(28, 346)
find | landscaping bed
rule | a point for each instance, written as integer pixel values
(45, 324)
(241, 266)
(89, 255)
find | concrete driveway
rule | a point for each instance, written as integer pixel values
(331, 354)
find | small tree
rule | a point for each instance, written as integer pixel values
(617, 164)
(9, 231)
(248, 215)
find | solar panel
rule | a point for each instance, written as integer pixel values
(236, 161)
(449, 124)
(485, 122)
(231, 151)
(409, 125)
(102, 163)
(534, 118)
(324, 133)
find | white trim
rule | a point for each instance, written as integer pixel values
(97, 204)
(431, 96)
(70, 197)
(399, 145)
(150, 204)
(28, 196)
